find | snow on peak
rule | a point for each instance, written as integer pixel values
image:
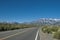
(57, 19)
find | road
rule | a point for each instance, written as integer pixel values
(21, 34)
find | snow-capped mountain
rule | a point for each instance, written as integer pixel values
(47, 21)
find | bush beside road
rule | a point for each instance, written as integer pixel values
(45, 36)
(53, 30)
(13, 26)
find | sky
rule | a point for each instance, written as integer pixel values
(28, 10)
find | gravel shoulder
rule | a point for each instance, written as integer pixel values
(45, 36)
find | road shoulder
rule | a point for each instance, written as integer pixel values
(45, 36)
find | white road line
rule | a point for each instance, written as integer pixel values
(36, 35)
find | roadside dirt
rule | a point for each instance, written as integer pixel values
(45, 36)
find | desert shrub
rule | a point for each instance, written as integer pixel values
(54, 29)
(49, 29)
(13, 26)
(56, 35)
(46, 29)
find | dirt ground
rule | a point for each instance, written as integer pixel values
(45, 36)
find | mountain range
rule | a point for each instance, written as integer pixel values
(41, 21)
(49, 21)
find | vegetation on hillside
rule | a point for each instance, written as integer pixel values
(12, 26)
(54, 30)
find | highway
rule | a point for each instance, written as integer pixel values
(21, 34)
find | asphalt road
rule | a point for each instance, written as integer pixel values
(21, 34)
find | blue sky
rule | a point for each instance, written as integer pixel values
(28, 10)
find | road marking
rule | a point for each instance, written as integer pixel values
(12, 35)
(36, 35)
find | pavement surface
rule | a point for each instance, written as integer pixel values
(21, 34)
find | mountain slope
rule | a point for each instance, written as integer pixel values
(48, 21)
